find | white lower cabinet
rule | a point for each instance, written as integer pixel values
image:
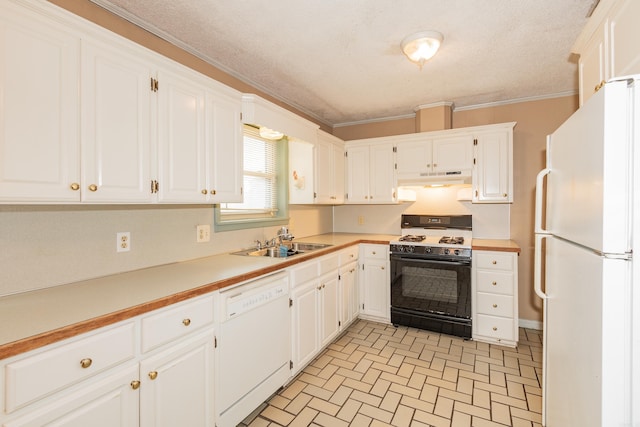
(104, 378)
(375, 292)
(349, 307)
(495, 306)
(315, 302)
(177, 384)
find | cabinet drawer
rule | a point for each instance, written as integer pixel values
(500, 328)
(494, 261)
(349, 255)
(174, 322)
(303, 273)
(495, 305)
(375, 251)
(495, 282)
(35, 376)
(328, 264)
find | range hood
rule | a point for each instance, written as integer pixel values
(436, 179)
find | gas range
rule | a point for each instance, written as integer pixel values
(446, 237)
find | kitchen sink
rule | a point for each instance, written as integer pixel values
(294, 249)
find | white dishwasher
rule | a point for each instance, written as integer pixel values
(254, 349)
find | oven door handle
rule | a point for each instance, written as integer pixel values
(430, 261)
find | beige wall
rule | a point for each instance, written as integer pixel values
(535, 120)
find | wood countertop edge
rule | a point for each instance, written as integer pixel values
(36, 341)
(495, 248)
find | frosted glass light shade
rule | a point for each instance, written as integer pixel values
(420, 47)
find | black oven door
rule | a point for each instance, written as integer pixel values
(431, 294)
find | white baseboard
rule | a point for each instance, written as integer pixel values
(530, 324)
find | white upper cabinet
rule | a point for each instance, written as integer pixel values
(225, 147)
(437, 155)
(329, 169)
(181, 139)
(116, 124)
(111, 121)
(608, 45)
(370, 174)
(39, 109)
(493, 171)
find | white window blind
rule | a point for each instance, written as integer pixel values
(260, 181)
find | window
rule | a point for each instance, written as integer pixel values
(264, 186)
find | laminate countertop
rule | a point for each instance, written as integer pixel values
(34, 319)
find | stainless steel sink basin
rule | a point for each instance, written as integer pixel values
(294, 249)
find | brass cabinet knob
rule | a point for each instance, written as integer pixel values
(93, 187)
(204, 191)
(494, 283)
(214, 192)
(85, 363)
(323, 286)
(495, 305)
(382, 268)
(373, 253)
(435, 165)
(504, 194)
(75, 186)
(135, 384)
(153, 375)
(495, 328)
(494, 262)
(186, 322)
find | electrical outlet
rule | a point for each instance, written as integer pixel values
(203, 233)
(123, 241)
(360, 220)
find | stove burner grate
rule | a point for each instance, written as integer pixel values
(451, 240)
(412, 238)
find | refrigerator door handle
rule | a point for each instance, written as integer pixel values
(537, 266)
(539, 194)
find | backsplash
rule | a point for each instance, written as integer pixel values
(45, 246)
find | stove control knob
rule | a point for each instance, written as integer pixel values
(446, 251)
(427, 250)
(457, 252)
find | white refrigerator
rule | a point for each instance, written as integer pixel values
(587, 223)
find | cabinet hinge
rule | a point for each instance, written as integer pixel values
(154, 85)
(241, 191)
(474, 161)
(346, 196)
(395, 149)
(339, 277)
(395, 166)
(290, 302)
(339, 323)
(346, 154)
(154, 186)
(315, 195)
(215, 342)
(290, 364)
(240, 116)
(363, 306)
(475, 141)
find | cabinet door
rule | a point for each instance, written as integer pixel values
(305, 324)
(358, 174)
(493, 181)
(349, 294)
(225, 145)
(623, 38)
(39, 108)
(382, 187)
(453, 154)
(592, 66)
(324, 172)
(177, 385)
(338, 174)
(108, 402)
(181, 144)
(414, 159)
(116, 142)
(330, 313)
(375, 289)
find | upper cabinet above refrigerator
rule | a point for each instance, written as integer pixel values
(608, 45)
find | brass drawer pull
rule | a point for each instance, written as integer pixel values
(494, 283)
(495, 328)
(75, 186)
(186, 322)
(495, 305)
(135, 384)
(85, 363)
(93, 187)
(494, 262)
(153, 375)
(204, 191)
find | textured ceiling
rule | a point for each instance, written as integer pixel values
(340, 60)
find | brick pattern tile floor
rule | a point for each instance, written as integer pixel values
(379, 375)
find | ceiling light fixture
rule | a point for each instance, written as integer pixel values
(420, 47)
